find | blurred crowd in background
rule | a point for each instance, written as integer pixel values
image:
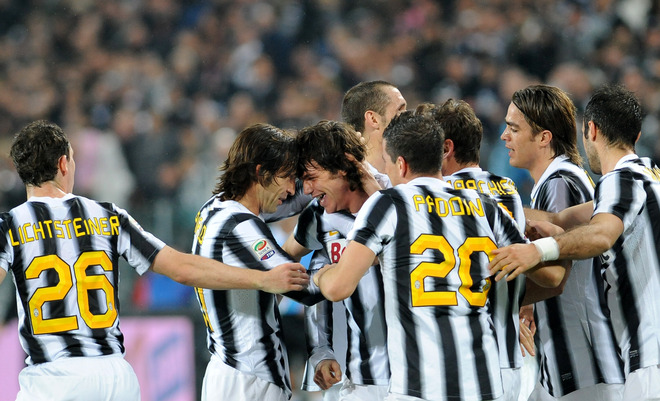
(152, 92)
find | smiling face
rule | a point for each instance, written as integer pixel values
(517, 136)
(332, 190)
(275, 193)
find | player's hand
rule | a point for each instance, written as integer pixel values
(284, 278)
(513, 260)
(317, 275)
(369, 182)
(327, 373)
(527, 330)
(536, 229)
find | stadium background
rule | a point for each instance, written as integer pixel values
(152, 93)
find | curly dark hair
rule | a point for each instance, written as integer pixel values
(263, 145)
(36, 150)
(327, 143)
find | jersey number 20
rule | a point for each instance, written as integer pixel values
(421, 297)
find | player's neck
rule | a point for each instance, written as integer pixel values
(48, 189)
(610, 157)
(540, 165)
(450, 167)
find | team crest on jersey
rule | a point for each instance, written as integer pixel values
(263, 249)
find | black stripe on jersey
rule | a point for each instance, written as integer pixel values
(626, 293)
(34, 349)
(561, 352)
(57, 308)
(97, 297)
(577, 191)
(359, 317)
(309, 216)
(144, 247)
(114, 241)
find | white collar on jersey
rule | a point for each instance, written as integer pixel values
(625, 159)
(552, 167)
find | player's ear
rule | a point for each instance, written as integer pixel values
(63, 164)
(448, 149)
(371, 118)
(403, 166)
(546, 137)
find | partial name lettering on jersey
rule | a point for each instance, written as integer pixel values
(335, 246)
(263, 249)
(501, 187)
(456, 206)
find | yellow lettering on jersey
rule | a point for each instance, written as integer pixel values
(114, 225)
(654, 173)
(26, 236)
(77, 227)
(103, 223)
(94, 226)
(38, 229)
(456, 206)
(11, 238)
(59, 233)
(48, 223)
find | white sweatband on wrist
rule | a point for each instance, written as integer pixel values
(548, 248)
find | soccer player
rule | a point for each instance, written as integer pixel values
(369, 107)
(244, 335)
(63, 252)
(329, 165)
(623, 229)
(433, 243)
(460, 168)
(576, 349)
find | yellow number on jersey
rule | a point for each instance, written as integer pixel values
(421, 297)
(84, 284)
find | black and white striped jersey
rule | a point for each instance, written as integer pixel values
(366, 357)
(506, 296)
(243, 326)
(63, 254)
(632, 266)
(325, 331)
(575, 342)
(433, 243)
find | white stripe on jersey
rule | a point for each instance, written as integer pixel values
(367, 349)
(63, 254)
(632, 267)
(432, 243)
(243, 326)
(575, 342)
(506, 297)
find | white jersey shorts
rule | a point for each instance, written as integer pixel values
(102, 378)
(222, 382)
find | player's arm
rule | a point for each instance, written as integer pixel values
(198, 271)
(318, 335)
(3, 274)
(294, 249)
(340, 280)
(586, 241)
(568, 218)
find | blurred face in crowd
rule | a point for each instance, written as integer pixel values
(518, 139)
(276, 192)
(332, 190)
